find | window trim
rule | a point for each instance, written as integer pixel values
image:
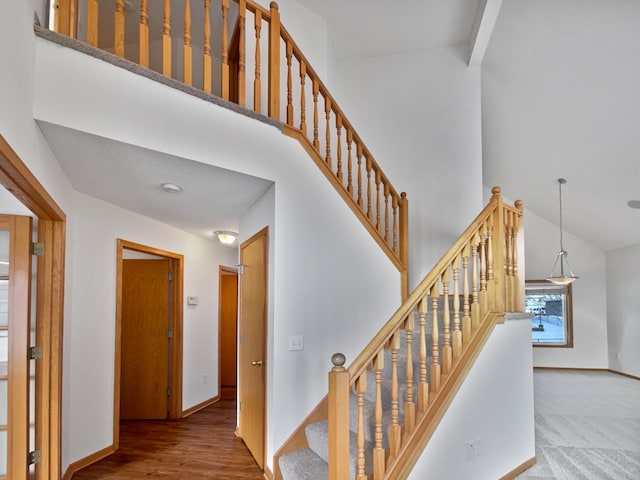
(568, 313)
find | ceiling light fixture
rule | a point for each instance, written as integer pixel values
(561, 278)
(171, 188)
(634, 204)
(226, 237)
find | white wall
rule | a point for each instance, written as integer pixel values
(331, 283)
(90, 322)
(419, 115)
(589, 293)
(495, 405)
(623, 309)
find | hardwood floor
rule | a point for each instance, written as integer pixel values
(202, 446)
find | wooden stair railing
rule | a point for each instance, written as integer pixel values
(292, 93)
(468, 292)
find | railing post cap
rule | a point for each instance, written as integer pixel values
(338, 359)
(496, 190)
(518, 204)
(403, 194)
(273, 6)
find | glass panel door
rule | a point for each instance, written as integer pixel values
(4, 349)
(15, 286)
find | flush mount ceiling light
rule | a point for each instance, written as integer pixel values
(226, 237)
(634, 204)
(560, 277)
(171, 188)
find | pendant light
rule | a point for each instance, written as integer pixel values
(560, 277)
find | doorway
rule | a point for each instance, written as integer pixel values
(228, 327)
(252, 343)
(148, 368)
(18, 179)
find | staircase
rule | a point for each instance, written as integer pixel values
(312, 462)
(382, 409)
(379, 412)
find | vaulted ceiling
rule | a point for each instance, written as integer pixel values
(560, 97)
(560, 94)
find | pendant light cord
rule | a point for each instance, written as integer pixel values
(560, 182)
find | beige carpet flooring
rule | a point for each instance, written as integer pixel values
(587, 426)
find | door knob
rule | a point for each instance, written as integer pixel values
(257, 363)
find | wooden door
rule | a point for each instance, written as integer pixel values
(252, 345)
(145, 339)
(15, 292)
(228, 327)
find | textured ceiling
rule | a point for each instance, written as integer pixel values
(130, 177)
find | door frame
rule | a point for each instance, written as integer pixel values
(265, 233)
(175, 355)
(16, 177)
(233, 271)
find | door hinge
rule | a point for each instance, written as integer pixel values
(169, 333)
(37, 249)
(34, 457)
(169, 392)
(35, 353)
(240, 406)
(170, 276)
(240, 268)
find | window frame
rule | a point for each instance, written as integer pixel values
(566, 291)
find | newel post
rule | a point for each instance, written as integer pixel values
(274, 62)
(498, 246)
(338, 419)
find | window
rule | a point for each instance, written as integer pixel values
(552, 324)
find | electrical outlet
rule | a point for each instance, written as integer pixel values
(474, 448)
(205, 378)
(296, 342)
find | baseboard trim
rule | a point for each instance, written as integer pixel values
(200, 406)
(628, 375)
(577, 369)
(86, 461)
(268, 475)
(519, 469)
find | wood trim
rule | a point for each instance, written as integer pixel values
(298, 439)
(268, 474)
(578, 369)
(177, 267)
(320, 162)
(623, 374)
(18, 179)
(88, 460)
(19, 297)
(200, 406)
(519, 469)
(569, 317)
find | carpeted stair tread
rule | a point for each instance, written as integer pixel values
(318, 439)
(303, 464)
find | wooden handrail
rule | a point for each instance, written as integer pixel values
(357, 175)
(486, 255)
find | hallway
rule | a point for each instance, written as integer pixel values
(201, 446)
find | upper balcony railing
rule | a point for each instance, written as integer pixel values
(222, 50)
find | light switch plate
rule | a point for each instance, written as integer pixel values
(296, 342)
